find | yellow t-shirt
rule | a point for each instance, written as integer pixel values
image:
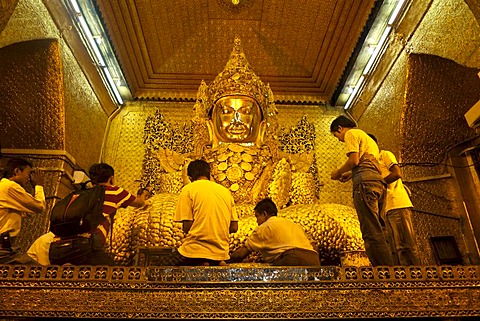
(211, 208)
(397, 196)
(275, 236)
(357, 141)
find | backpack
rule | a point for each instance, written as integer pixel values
(79, 212)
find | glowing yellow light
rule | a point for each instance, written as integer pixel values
(235, 2)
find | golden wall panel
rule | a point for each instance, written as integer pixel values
(474, 5)
(31, 91)
(426, 123)
(438, 94)
(437, 212)
(450, 30)
(29, 21)
(85, 120)
(124, 148)
(6, 9)
(431, 224)
(83, 116)
(384, 114)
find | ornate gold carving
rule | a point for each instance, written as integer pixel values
(237, 292)
(238, 79)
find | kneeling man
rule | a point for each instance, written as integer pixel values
(280, 241)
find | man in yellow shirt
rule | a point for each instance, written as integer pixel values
(369, 188)
(398, 209)
(207, 212)
(16, 203)
(280, 241)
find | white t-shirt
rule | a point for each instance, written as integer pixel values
(40, 249)
(397, 196)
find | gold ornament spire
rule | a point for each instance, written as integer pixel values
(239, 79)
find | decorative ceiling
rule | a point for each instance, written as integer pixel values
(301, 48)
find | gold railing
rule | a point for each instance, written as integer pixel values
(239, 292)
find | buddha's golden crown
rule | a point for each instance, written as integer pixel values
(239, 79)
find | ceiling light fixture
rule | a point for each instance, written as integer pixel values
(87, 22)
(374, 45)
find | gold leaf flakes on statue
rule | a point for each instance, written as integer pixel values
(222, 166)
(301, 162)
(234, 173)
(246, 166)
(168, 159)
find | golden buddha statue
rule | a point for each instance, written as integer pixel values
(235, 129)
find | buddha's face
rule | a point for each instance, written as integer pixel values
(236, 119)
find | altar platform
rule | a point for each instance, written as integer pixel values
(239, 292)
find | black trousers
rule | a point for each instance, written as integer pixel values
(78, 251)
